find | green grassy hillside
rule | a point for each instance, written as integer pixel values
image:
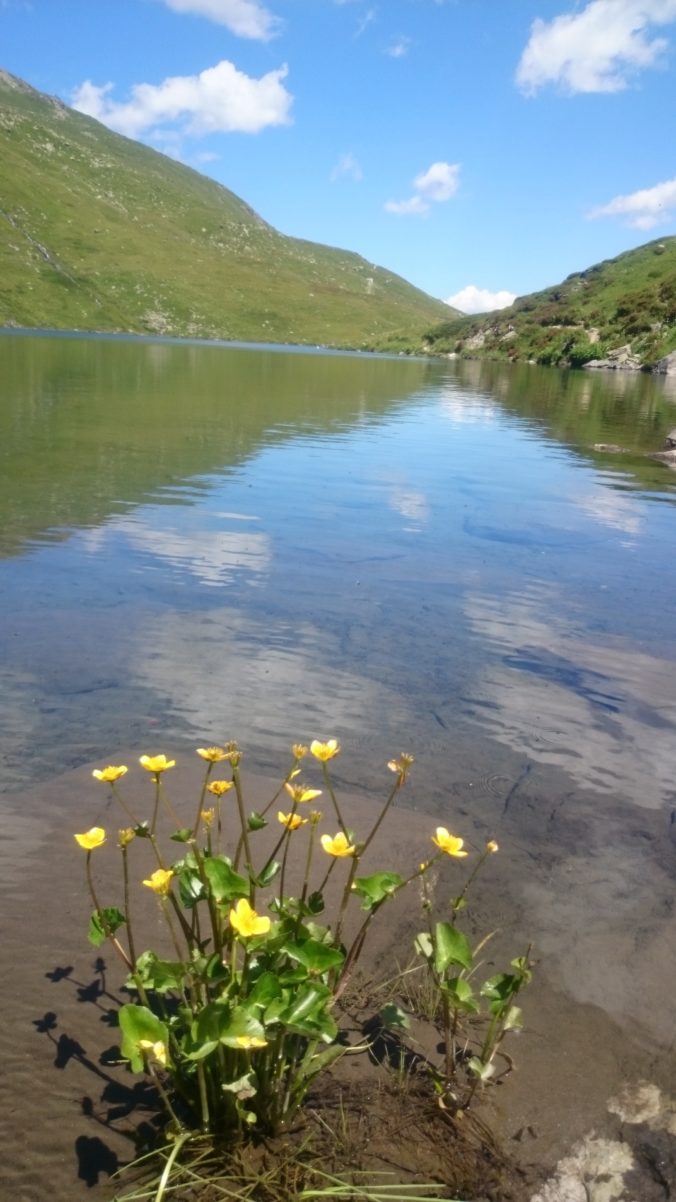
(629, 302)
(101, 233)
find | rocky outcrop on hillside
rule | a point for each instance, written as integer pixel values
(621, 359)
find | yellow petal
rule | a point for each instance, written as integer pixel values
(219, 787)
(160, 881)
(213, 754)
(251, 1041)
(450, 844)
(247, 922)
(156, 763)
(324, 751)
(291, 821)
(111, 773)
(338, 846)
(92, 838)
(301, 793)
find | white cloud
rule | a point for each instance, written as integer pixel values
(597, 49)
(643, 209)
(399, 48)
(480, 300)
(404, 208)
(347, 165)
(439, 183)
(220, 99)
(246, 18)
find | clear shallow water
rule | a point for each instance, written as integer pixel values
(204, 543)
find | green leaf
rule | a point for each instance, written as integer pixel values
(423, 945)
(182, 836)
(137, 1023)
(513, 1020)
(450, 947)
(501, 987)
(315, 903)
(210, 1023)
(269, 873)
(160, 975)
(224, 882)
(256, 822)
(142, 831)
(461, 995)
(393, 1016)
(114, 919)
(308, 1000)
(311, 1065)
(200, 1051)
(242, 1022)
(190, 887)
(374, 889)
(316, 957)
(265, 990)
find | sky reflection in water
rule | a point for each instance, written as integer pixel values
(405, 555)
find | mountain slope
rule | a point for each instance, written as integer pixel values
(101, 233)
(628, 302)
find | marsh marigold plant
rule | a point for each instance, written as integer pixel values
(236, 1013)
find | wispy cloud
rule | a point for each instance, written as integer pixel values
(347, 165)
(471, 299)
(364, 21)
(644, 209)
(439, 183)
(246, 18)
(596, 49)
(399, 48)
(220, 99)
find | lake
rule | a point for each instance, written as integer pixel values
(203, 542)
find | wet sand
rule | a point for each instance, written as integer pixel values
(594, 1091)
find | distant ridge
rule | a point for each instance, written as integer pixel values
(98, 232)
(618, 314)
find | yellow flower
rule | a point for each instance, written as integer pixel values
(125, 837)
(299, 751)
(111, 773)
(91, 839)
(219, 787)
(213, 754)
(160, 881)
(291, 821)
(156, 763)
(247, 922)
(340, 846)
(324, 751)
(208, 816)
(300, 793)
(251, 1041)
(492, 847)
(448, 843)
(157, 1049)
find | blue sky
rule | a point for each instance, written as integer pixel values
(487, 144)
